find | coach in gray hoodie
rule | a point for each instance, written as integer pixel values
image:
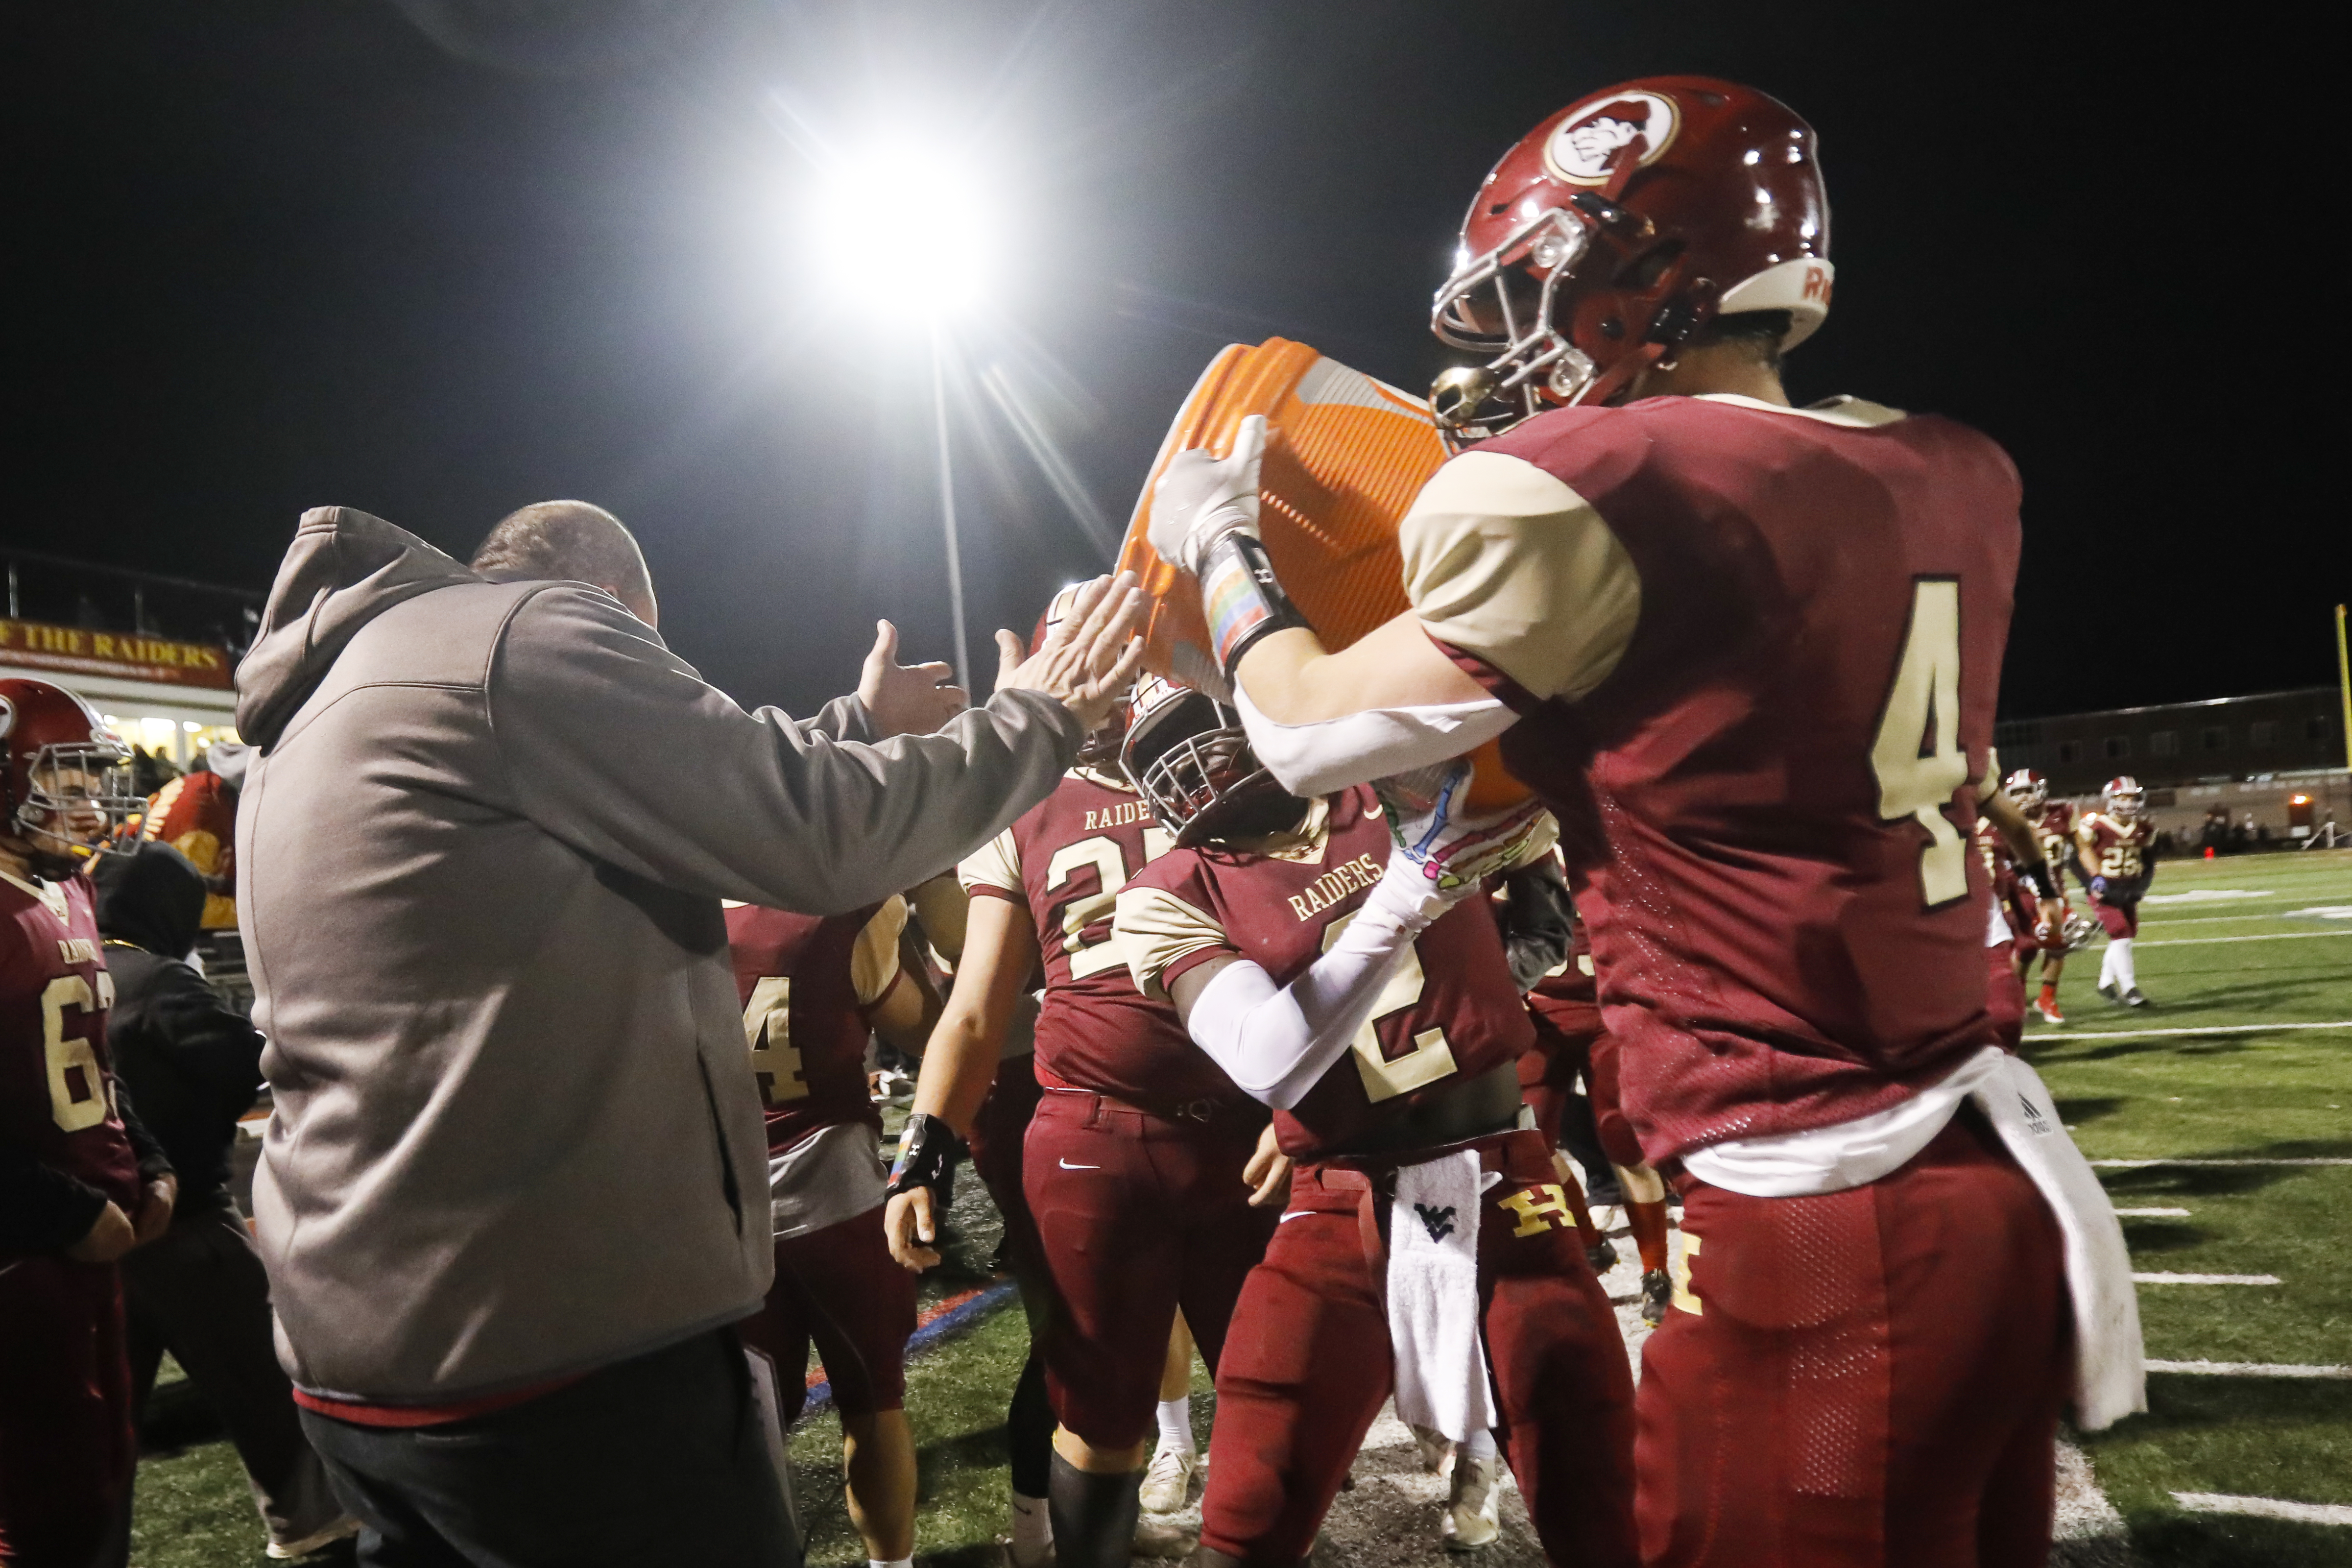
(515, 1183)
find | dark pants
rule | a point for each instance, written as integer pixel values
(200, 1292)
(660, 1459)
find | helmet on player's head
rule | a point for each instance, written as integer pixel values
(66, 779)
(1616, 230)
(2123, 799)
(1100, 749)
(2026, 790)
(1187, 756)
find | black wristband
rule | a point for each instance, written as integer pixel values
(2038, 874)
(1241, 599)
(926, 1149)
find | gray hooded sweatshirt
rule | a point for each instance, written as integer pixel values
(482, 845)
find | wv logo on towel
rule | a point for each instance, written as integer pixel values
(1438, 1222)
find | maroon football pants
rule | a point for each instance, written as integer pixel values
(1000, 1132)
(1139, 1214)
(2121, 921)
(1309, 1364)
(2005, 995)
(1548, 1068)
(66, 1448)
(1866, 1379)
(840, 1288)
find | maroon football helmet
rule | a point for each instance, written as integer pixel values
(66, 779)
(1188, 757)
(1619, 227)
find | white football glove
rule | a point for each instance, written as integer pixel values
(1442, 854)
(1202, 498)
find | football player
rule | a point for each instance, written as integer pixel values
(2117, 869)
(80, 1186)
(1747, 654)
(1552, 965)
(2053, 822)
(812, 989)
(1145, 1168)
(1428, 1246)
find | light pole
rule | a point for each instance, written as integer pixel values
(947, 513)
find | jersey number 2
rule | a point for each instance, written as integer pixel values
(1917, 756)
(1431, 1058)
(1110, 862)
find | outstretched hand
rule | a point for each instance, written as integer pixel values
(1089, 660)
(906, 699)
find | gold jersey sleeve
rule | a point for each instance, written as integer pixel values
(994, 866)
(874, 959)
(1155, 930)
(1506, 562)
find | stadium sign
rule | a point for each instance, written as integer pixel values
(35, 645)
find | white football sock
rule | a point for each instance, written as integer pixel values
(1176, 1425)
(1032, 1528)
(2108, 967)
(908, 1562)
(1477, 1446)
(2126, 972)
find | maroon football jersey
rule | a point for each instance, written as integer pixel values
(57, 1082)
(1765, 795)
(2001, 868)
(804, 984)
(2112, 848)
(1449, 1013)
(1066, 859)
(2054, 831)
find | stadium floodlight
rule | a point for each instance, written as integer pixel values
(906, 229)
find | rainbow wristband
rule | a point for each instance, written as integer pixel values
(1241, 598)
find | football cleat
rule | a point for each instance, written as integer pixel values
(1657, 1289)
(342, 1529)
(1602, 1256)
(1472, 1505)
(2049, 1012)
(1158, 1536)
(1168, 1483)
(2108, 989)
(2132, 998)
(1435, 1449)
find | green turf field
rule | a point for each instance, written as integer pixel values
(2244, 952)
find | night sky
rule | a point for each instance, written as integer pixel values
(436, 260)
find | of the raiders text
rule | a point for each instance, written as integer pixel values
(1347, 876)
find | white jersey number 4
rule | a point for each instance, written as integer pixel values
(1917, 755)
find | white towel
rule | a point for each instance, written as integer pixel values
(2110, 1368)
(1433, 1297)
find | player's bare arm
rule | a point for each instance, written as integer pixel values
(959, 1063)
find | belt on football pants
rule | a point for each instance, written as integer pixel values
(1204, 1109)
(1486, 1104)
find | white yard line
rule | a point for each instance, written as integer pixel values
(2206, 1279)
(2144, 1164)
(2265, 1508)
(2151, 1213)
(2271, 936)
(2154, 1033)
(2247, 1369)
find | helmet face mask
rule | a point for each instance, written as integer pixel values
(2123, 799)
(1187, 755)
(68, 780)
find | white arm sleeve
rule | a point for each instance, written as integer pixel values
(1274, 1043)
(1316, 759)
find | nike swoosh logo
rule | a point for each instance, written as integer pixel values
(1067, 1167)
(1293, 1213)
